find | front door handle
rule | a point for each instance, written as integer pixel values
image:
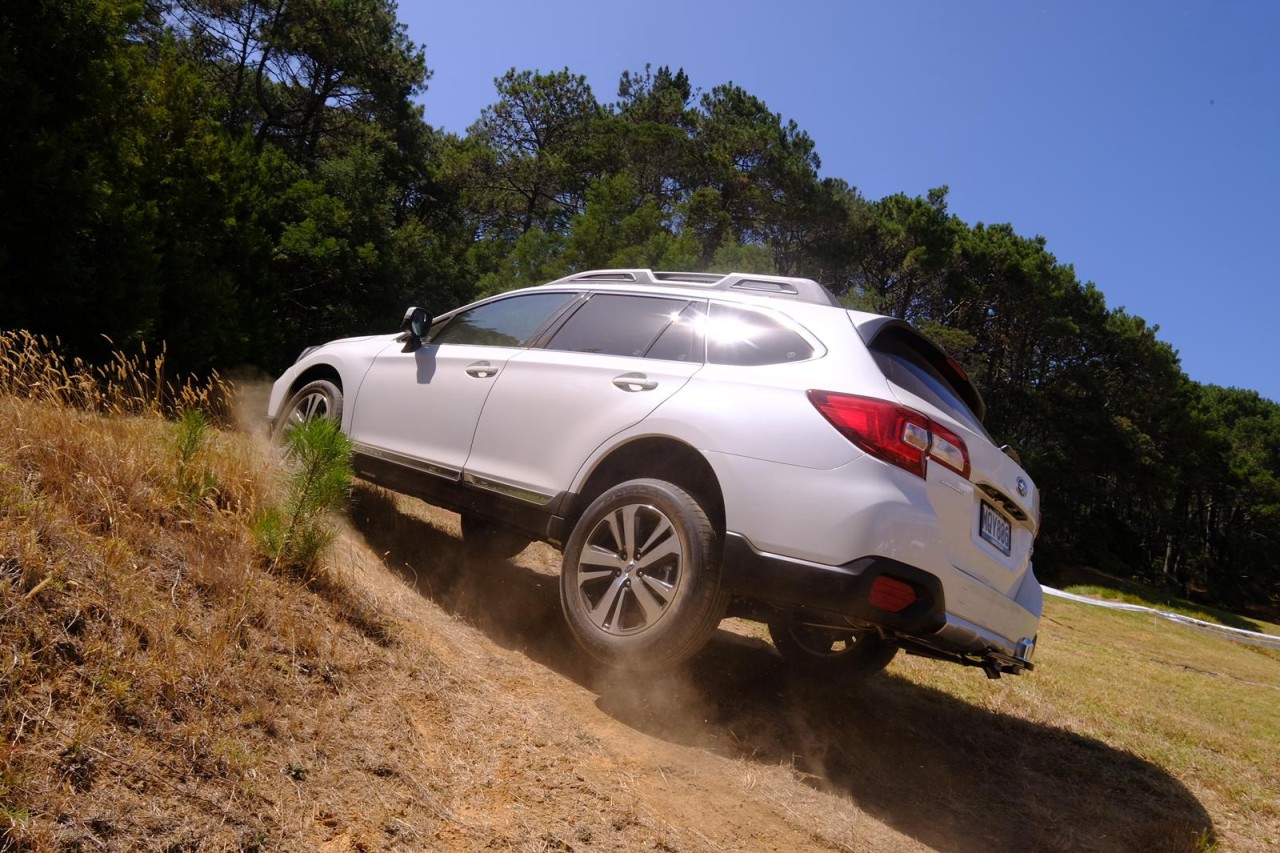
(635, 382)
(481, 370)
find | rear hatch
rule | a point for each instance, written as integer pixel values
(987, 520)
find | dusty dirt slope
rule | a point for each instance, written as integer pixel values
(515, 741)
(163, 687)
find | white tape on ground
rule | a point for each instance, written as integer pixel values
(1254, 638)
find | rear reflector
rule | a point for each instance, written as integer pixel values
(896, 434)
(891, 594)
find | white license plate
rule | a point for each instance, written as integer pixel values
(994, 527)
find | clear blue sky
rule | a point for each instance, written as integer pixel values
(1142, 139)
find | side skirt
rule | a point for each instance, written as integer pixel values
(536, 521)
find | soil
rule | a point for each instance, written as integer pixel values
(573, 756)
(521, 743)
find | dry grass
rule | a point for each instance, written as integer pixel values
(159, 687)
(162, 689)
(33, 368)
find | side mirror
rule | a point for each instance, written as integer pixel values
(414, 329)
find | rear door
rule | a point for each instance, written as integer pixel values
(615, 360)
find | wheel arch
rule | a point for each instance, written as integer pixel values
(314, 372)
(658, 457)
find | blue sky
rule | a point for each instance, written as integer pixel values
(1141, 139)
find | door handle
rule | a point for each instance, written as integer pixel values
(635, 382)
(481, 370)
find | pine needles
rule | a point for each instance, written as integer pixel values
(295, 534)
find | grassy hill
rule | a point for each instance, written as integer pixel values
(164, 685)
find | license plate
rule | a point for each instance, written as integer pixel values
(994, 527)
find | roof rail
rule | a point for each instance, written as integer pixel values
(786, 287)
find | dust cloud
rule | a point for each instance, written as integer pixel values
(249, 403)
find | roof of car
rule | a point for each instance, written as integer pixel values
(777, 286)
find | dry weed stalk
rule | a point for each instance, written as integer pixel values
(147, 649)
(33, 367)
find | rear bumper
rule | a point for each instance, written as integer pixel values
(837, 590)
(842, 592)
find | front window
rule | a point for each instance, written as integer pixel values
(510, 322)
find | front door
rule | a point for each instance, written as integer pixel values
(420, 408)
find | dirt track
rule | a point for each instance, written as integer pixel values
(529, 746)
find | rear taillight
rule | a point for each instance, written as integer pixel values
(896, 434)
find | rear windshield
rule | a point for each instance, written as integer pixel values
(911, 363)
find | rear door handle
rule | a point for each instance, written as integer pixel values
(635, 382)
(481, 370)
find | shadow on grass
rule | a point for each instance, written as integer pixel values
(951, 775)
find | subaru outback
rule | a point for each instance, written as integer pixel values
(698, 446)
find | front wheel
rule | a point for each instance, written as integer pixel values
(830, 651)
(317, 399)
(640, 583)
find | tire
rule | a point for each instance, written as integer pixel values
(640, 583)
(828, 651)
(491, 539)
(317, 399)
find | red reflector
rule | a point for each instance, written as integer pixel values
(891, 594)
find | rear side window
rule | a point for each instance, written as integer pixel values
(614, 324)
(682, 340)
(742, 336)
(909, 362)
(505, 323)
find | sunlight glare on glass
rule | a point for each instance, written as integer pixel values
(731, 330)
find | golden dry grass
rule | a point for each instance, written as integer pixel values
(34, 368)
(161, 689)
(150, 660)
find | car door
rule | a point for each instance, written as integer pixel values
(615, 360)
(420, 408)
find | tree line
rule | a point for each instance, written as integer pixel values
(241, 178)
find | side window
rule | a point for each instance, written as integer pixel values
(682, 340)
(505, 323)
(743, 336)
(615, 324)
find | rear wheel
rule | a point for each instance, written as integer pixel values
(317, 399)
(640, 583)
(830, 651)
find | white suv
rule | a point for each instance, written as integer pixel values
(700, 446)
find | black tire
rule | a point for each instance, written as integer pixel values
(640, 583)
(490, 539)
(317, 399)
(828, 651)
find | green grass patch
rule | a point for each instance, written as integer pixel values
(1129, 592)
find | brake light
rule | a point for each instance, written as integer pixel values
(894, 433)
